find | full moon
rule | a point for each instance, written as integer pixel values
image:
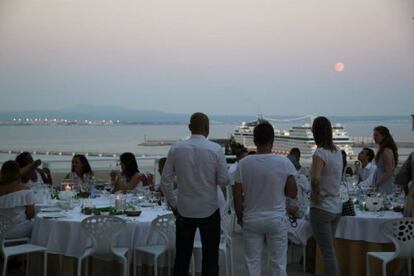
(339, 67)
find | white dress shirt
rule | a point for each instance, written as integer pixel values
(199, 166)
(366, 172)
(366, 175)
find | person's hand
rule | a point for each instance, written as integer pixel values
(292, 209)
(150, 179)
(175, 212)
(37, 163)
(315, 197)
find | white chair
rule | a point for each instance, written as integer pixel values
(103, 230)
(230, 205)
(165, 226)
(401, 233)
(5, 225)
(291, 245)
(225, 246)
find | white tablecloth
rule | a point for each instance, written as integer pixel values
(64, 235)
(365, 226)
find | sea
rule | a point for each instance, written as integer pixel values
(122, 138)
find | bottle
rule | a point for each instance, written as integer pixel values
(92, 187)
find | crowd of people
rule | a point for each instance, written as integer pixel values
(269, 192)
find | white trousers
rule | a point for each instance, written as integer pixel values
(254, 235)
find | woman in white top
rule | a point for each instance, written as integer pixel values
(326, 205)
(130, 178)
(16, 200)
(81, 175)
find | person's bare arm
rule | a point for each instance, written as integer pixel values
(238, 202)
(291, 190)
(30, 211)
(316, 172)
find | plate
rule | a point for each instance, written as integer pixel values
(50, 210)
(51, 215)
(45, 205)
(147, 205)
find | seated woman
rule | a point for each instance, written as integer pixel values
(31, 174)
(130, 177)
(297, 207)
(16, 200)
(299, 229)
(81, 175)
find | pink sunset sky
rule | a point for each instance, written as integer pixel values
(219, 56)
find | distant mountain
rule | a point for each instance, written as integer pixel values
(92, 112)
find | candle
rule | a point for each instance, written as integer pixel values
(118, 203)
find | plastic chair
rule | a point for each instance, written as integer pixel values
(303, 246)
(5, 225)
(401, 233)
(230, 205)
(165, 226)
(225, 246)
(102, 230)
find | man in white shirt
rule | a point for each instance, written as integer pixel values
(262, 181)
(199, 166)
(366, 173)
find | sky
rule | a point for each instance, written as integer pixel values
(274, 57)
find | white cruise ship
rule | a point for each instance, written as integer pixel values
(297, 137)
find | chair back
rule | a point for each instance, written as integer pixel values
(229, 195)
(103, 230)
(165, 226)
(401, 233)
(227, 221)
(6, 224)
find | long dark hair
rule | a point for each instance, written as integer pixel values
(86, 168)
(387, 142)
(10, 171)
(130, 163)
(322, 133)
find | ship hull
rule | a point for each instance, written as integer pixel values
(282, 145)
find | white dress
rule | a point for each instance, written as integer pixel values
(13, 205)
(81, 184)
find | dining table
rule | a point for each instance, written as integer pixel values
(357, 235)
(60, 231)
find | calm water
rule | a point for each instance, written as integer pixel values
(117, 139)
